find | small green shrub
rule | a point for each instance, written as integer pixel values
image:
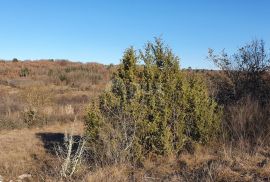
(24, 72)
(29, 117)
(62, 77)
(50, 72)
(32, 118)
(15, 60)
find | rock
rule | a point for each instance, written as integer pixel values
(23, 176)
(1, 178)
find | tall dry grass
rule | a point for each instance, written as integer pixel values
(51, 91)
(242, 153)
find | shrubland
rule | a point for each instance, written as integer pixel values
(243, 90)
(146, 119)
(37, 93)
(163, 123)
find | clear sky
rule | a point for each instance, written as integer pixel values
(99, 30)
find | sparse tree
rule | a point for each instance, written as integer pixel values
(245, 69)
(14, 60)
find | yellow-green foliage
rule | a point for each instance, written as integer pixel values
(151, 108)
(202, 113)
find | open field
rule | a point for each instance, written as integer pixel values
(29, 151)
(65, 121)
(39, 105)
(134, 91)
(54, 91)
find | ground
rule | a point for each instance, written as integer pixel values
(63, 91)
(28, 151)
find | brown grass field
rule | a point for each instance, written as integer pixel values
(40, 105)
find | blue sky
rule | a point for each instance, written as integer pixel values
(99, 30)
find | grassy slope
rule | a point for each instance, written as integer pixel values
(70, 86)
(59, 91)
(27, 151)
(56, 90)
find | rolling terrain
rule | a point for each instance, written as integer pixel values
(44, 102)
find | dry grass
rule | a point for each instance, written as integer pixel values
(110, 173)
(52, 92)
(36, 106)
(24, 151)
(51, 88)
(209, 164)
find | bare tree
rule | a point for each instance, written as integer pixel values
(245, 69)
(69, 158)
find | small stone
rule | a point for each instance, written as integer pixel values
(23, 176)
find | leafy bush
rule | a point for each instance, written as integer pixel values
(24, 72)
(150, 108)
(15, 60)
(30, 117)
(62, 77)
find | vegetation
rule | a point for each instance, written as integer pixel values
(246, 70)
(24, 72)
(142, 120)
(243, 90)
(39, 97)
(154, 108)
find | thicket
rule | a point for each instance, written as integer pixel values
(152, 107)
(242, 87)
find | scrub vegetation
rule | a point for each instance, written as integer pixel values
(146, 119)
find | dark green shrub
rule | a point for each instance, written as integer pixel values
(62, 77)
(29, 117)
(24, 72)
(15, 60)
(50, 72)
(32, 118)
(150, 108)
